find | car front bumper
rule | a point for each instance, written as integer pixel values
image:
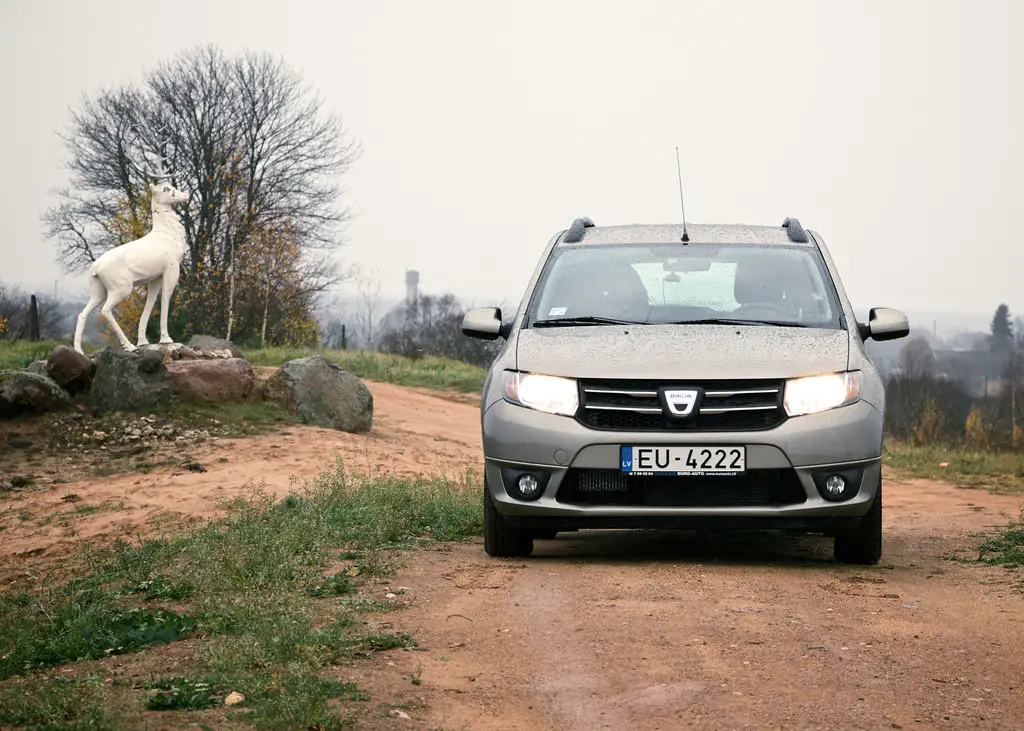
(517, 439)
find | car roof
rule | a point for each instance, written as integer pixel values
(698, 233)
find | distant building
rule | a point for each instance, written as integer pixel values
(976, 341)
(395, 318)
(979, 372)
(412, 282)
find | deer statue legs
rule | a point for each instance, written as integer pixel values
(153, 288)
(112, 295)
(115, 295)
(163, 286)
(169, 282)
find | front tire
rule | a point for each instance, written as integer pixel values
(500, 539)
(863, 545)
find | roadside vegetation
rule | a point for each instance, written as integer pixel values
(428, 371)
(264, 603)
(20, 353)
(1005, 547)
(998, 471)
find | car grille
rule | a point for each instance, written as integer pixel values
(754, 488)
(633, 405)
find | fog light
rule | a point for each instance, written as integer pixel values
(839, 487)
(528, 485)
(835, 485)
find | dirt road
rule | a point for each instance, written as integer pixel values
(629, 630)
(653, 631)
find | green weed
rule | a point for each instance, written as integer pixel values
(997, 471)
(259, 591)
(427, 372)
(182, 694)
(1005, 547)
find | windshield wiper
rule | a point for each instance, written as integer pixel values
(586, 320)
(736, 321)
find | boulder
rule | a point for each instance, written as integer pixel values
(38, 366)
(128, 381)
(230, 379)
(207, 342)
(26, 392)
(322, 394)
(70, 369)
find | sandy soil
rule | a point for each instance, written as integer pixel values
(630, 630)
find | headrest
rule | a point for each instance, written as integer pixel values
(755, 282)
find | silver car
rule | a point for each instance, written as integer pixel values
(707, 378)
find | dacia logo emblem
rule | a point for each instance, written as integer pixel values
(681, 402)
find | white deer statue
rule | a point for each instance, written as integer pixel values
(153, 260)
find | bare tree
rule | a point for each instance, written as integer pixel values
(432, 325)
(16, 314)
(917, 360)
(369, 302)
(253, 146)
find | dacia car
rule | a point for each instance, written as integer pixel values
(704, 377)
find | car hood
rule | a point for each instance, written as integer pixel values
(681, 351)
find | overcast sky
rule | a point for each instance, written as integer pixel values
(892, 128)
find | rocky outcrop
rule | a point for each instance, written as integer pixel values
(26, 392)
(170, 352)
(322, 394)
(127, 381)
(206, 342)
(230, 379)
(70, 369)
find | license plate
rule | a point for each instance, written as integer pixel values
(674, 460)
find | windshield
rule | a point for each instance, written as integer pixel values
(674, 283)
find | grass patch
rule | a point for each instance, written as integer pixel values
(1005, 547)
(15, 442)
(998, 471)
(268, 594)
(83, 625)
(243, 418)
(56, 704)
(20, 353)
(160, 587)
(427, 372)
(183, 694)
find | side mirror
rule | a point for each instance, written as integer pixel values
(886, 324)
(483, 323)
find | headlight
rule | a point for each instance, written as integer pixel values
(821, 393)
(550, 394)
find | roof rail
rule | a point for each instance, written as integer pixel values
(575, 232)
(796, 232)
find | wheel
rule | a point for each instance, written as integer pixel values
(500, 539)
(863, 545)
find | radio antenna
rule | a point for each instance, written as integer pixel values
(679, 171)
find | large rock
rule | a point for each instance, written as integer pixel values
(127, 381)
(38, 366)
(70, 369)
(230, 379)
(321, 393)
(25, 392)
(207, 342)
